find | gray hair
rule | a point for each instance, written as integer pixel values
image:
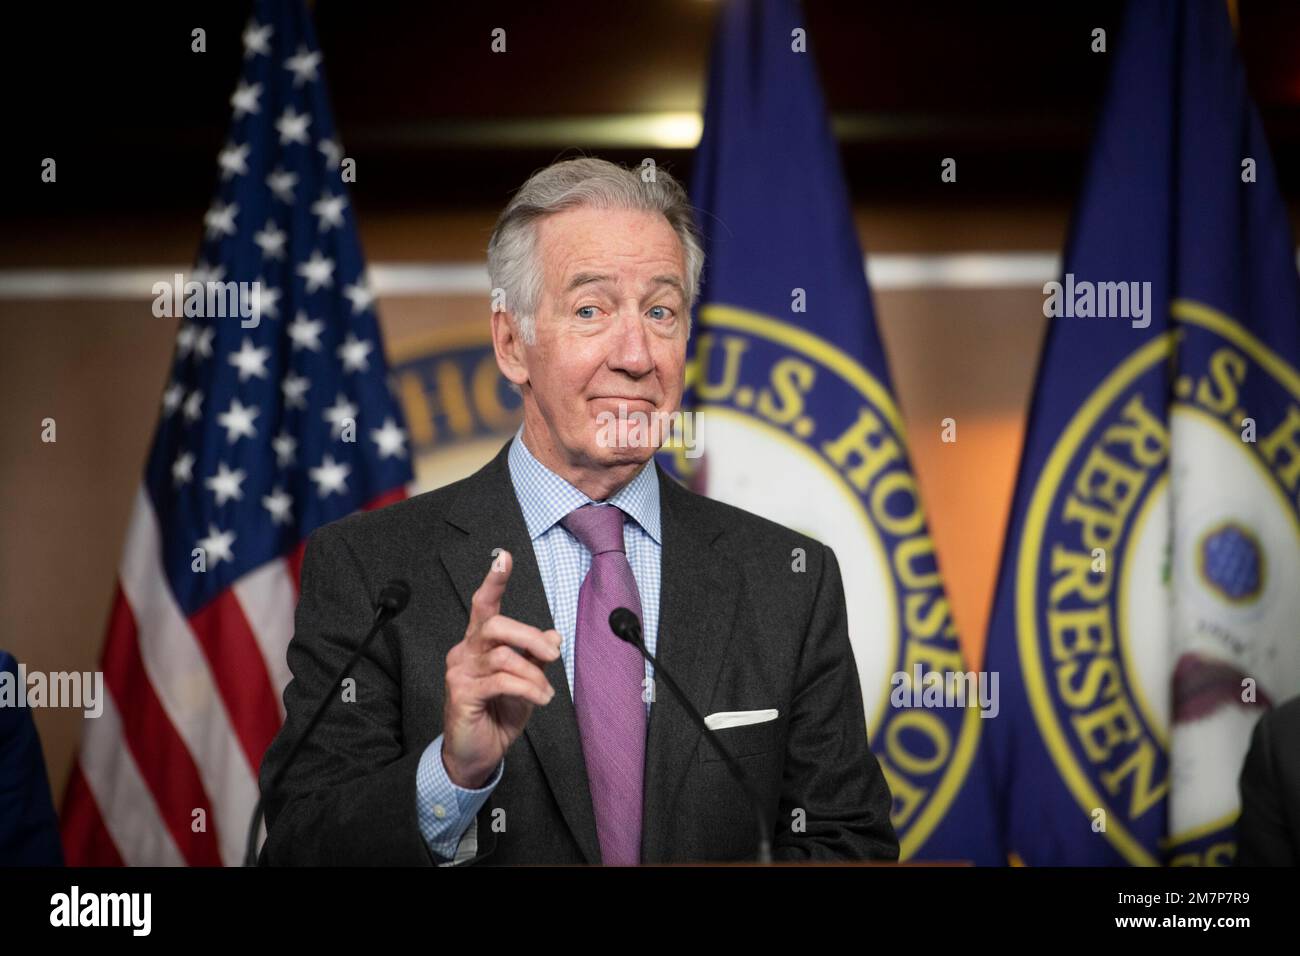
(513, 265)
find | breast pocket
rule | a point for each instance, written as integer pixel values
(743, 741)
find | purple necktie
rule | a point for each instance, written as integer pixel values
(608, 675)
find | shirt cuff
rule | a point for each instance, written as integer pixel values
(444, 810)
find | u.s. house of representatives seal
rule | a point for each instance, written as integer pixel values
(794, 429)
(1158, 583)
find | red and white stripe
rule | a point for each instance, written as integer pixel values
(168, 774)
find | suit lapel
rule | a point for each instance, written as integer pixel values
(485, 516)
(697, 606)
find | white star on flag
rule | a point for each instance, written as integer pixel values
(193, 406)
(202, 272)
(271, 240)
(216, 546)
(268, 299)
(280, 504)
(185, 339)
(329, 210)
(390, 439)
(305, 332)
(244, 99)
(233, 161)
(292, 126)
(318, 271)
(360, 296)
(257, 39)
(282, 183)
(219, 220)
(172, 397)
(250, 360)
(294, 388)
(238, 421)
(332, 151)
(225, 484)
(338, 415)
(330, 476)
(303, 66)
(203, 341)
(354, 353)
(183, 469)
(285, 446)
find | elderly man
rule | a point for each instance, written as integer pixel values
(498, 719)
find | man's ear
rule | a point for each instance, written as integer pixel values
(509, 348)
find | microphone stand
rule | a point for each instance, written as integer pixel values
(392, 601)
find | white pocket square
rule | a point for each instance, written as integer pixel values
(738, 718)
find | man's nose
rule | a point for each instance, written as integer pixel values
(631, 348)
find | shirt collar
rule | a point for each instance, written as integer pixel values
(545, 497)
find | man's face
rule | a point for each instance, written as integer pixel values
(611, 331)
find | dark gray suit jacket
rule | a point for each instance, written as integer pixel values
(739, 629)
(1268, 832)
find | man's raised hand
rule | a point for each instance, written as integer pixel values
(493, 682)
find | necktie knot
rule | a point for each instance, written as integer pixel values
(598, 527)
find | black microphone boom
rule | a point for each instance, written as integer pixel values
(627, 626)
(392, 601)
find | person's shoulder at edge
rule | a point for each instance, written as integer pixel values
(1277, 730)
(1267, 830)
(1285, 717)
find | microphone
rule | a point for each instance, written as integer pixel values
(394, 597)
(627, 627)
(392, 601)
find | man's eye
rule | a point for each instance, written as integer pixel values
(663, 312)
(587, 312)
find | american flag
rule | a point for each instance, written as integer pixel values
(265, 433)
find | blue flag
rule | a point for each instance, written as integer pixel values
(1146, 610)
(797, 416)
